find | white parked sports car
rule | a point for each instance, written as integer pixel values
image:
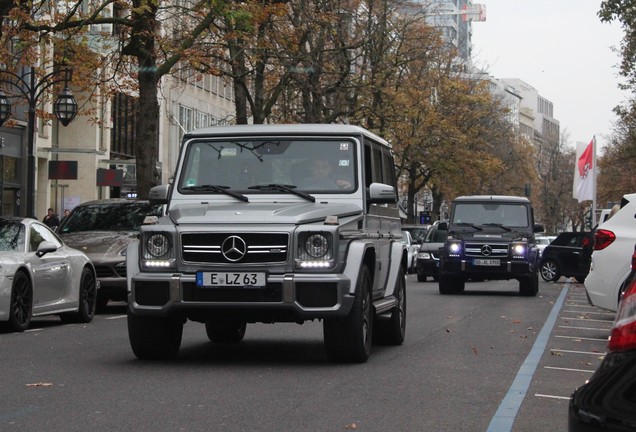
(40, 275)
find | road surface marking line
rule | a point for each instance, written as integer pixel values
(581, 338)
(116, 317)
(585, 328)
(551, 396)
(586, 319)
(577, 352)
(507, 411)
(568, 369)
(595, 312)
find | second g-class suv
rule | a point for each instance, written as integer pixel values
(490, 237)
(273, 223)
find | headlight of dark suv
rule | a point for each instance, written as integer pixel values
(519, 250)
(315, 250)
(157, 251)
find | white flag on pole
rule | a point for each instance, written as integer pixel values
(584, 171)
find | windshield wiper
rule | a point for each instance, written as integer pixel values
(468, 224)
(497, 225)
(285, 188)
(217, 188)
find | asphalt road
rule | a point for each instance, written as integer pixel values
(484, 360)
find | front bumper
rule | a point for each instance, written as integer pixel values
(286, 297)
(507, 269)
(427, 267)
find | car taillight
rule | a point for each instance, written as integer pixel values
(624, 331)
(603, 238)
(634, 260)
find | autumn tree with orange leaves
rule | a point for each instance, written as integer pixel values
(361, 62)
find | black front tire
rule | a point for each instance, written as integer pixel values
(451, 284)
(154, 338)
(349, 339)
(102, 303)
(21, 306)
(529, 287)
(229, 332)
(87, 300)
(396, 325)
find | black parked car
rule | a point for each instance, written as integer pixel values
(427, 264)
(607, 402)
(568, 255)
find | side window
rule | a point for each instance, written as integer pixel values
(388, 169)
(377, 164)
(40, 233)
(368, 165)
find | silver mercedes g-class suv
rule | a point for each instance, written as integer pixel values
(273, 223)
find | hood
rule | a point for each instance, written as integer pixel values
(99, 242)
(276, 213)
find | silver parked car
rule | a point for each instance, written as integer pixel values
(40, 275)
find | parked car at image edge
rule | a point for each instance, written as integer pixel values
(568, 255)
(40, 275)
(102, 229)
(418, 232)
(610, 264)
(427, 264)
(411, 249)
(543, 242)
(607, 402)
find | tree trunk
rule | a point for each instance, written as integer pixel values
(147, 133)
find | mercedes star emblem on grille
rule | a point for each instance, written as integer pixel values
(486, 250)
(234, 248)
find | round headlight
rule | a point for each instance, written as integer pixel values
(158, 245)
(519, 249)
(455, 247)
(317, 245)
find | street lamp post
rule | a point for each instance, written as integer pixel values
(64, 108)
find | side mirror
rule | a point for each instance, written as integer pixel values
(159, 194)
(44, 248)
(442, 226)
(380, 193)
(537, 228)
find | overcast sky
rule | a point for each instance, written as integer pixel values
(560, 48)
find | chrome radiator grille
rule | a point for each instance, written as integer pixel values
(234, 248)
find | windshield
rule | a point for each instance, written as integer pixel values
(127, 216)
(11, 236)
(436, 235)
(269, 166)
(491, 214)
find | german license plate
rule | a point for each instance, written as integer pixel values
(231, 279)
(486, 262)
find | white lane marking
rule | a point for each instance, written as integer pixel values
(585, 328)
(578, 352)
(581, 338)
(586, 319)
(551, 396)
(116, 317)
(568, 369)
